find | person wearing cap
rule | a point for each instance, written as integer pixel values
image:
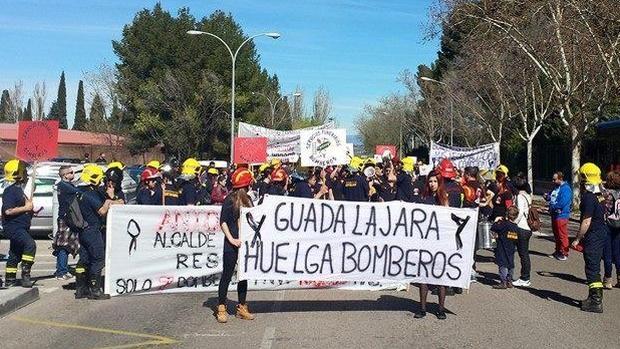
(241, 180)
(17, 211)
(279, 182)
(503, 194)
(560, 202)
(404, 183)
(355, 185)
(151, 191)
(189, 182)
(592, 234)
(65, 241)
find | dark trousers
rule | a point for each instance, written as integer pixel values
(611, 252)
(230, 261)
(92, 252)
(523, 248)
(22, 249)
(593, 245)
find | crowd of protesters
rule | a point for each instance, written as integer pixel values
(503, 203)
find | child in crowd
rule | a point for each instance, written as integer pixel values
(506, 232)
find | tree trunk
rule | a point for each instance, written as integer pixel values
(575, 163)
(530, 174)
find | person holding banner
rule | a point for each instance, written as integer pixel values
(16, 219)
(229, 220)
(94, 208)
(434, 194)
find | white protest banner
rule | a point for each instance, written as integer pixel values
(293, 239)
(485, 156)
(324, 147)
(173, 249)
(283, 145)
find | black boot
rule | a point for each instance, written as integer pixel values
(96, 292)
(81, 286)
(26, 280)
(594, 302)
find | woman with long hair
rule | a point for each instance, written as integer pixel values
(229, 220)
(434, 194)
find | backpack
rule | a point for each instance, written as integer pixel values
(613, 209)
(73, 217)
(533, 217)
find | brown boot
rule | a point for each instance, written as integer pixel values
(222, 314)
(608, 283)
(243, 312)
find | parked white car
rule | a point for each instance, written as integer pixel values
(45, 201)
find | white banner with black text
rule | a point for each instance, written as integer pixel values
(302, 239)
(484, 156)
(172, 249)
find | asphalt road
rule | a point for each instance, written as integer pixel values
(546, 315)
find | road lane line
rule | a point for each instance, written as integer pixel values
(153, 339)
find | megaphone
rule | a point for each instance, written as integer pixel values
(369, 172)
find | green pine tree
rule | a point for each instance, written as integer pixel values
(80, 110)
(4, 106)
(27, 115)
(53, 114)
(62, 102)
(97, 110)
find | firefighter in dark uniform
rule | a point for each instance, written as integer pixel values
(355, 185)
(94, 208)
(592, 234)
(150, 192)
(114, 183)
(169, 185)
(16, 218)
(279, 183)
(189, 182)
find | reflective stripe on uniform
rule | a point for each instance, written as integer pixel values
(597, 284)
(27, 258)
(10, 270)
(80, 270)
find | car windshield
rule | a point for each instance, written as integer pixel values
(44, 186)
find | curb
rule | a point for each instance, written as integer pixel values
(21, 300)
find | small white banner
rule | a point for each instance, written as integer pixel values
(282, 145)
(301, 239)
(484, 156)
(173, 249)
(324, 147)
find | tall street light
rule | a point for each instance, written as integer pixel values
(424, 78)
(274, 105)
(233, 57)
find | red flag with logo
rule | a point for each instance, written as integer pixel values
(386, 151)
(250, 150)
(37, 140)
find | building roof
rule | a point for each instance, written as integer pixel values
(8, 132)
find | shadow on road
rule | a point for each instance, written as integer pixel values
(554, 296)
(537, 253)
(563, 276)
(383, 303)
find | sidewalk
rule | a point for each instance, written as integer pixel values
(14, 298)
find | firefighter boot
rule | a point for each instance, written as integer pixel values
(222, 314)
(594, 302)
(243, 312)
(26, 280)
(96, 292)
(81, 286)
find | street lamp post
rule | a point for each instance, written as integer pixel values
(274, 105)
(424, 78)
(233, 57)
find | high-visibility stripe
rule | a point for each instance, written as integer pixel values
(10, 270)
(597, 284)
(27, 258)
(80, 270)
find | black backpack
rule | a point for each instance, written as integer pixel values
(73, 217)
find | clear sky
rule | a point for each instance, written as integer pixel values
(355, 49)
